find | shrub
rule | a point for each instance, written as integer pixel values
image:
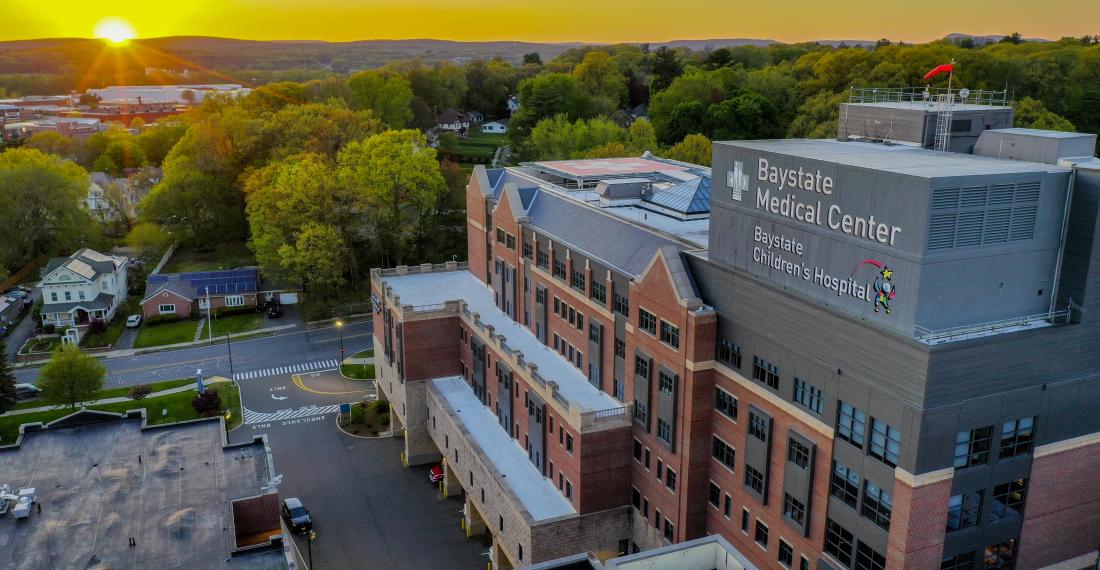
(207, 403)
(226, 311)
(379, 407)
(140, 391)
(97, 326)
(158, 319)
(49, 329)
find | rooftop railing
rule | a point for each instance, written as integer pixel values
(929, 98)
(993, 327)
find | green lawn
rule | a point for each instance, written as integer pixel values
(227, 255)
(115, 327)
(231, 324)
(178, 406)
(368, 353)
(358, 371)
(113, 392)
(161, 334)
(41, 345)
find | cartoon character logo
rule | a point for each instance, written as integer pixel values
(884, 288)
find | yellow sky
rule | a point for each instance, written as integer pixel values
(556, 20)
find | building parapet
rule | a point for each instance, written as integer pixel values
(1026, 322)
(926, 98)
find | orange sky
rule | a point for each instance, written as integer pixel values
(556, 20)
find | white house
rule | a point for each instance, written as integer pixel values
(452, 120)
(499, 127)
(513, 104)
(97, 202)
(82, 287)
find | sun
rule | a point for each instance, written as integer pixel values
(114, 30)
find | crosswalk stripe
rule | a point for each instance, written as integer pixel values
(251, 417)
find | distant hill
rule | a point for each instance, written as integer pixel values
(989, 39)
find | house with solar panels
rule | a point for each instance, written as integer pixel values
(83, 287)
(187, 294)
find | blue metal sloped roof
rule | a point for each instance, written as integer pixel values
(690, 197)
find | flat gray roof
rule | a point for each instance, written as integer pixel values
(919, 162)
(95, 495)
(1042, 133)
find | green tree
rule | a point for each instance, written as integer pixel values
(557, 138)
(52, 142)
(42, 213)
(157, 142)
(384, 92)
(685, 119)
(120, 154)
(672, 110)
(71, 377)
(442, 86)
(397, 174)
(195, 207)
(318, 257)
(746, 116)
(8, 396)
(817, 116)
(641, 137)
(1032, 114)
(488, 86)
(148, 237)
(695, 149)
(545, 96)
(601, 77)
(532, 58)
(666, 67)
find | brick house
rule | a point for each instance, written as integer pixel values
(186, 294)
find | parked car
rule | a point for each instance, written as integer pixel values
(274, 311)
(435, 474)
(26, 391)
(3, 331)
(296, 515)
(133, 321)
(16, 294)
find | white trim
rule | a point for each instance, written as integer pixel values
(924, 479)
(1067, 444)
(161, 310)
(801, 414)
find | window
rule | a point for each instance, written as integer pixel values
(510, 241)
(543, 260)
(1016, 437)
(572, 316)
(729, 353)
(641, 413)
(670, 531)
(500, 235)
(670, 335)
(645, 508)
(964, 561)
(647, 321)
(53, 296)
(786, 554)
(794, 509)
(725, 403)
(850, 424)
(964, 511)
(568, 490)
(745, 521)
(599, 292)
(838, 542)
(725, 454)
(670, 479)
(1008, 500)
(664, 431)
(569, 443)
(641, 366)
(761, 536)
(727, 506)
(578, 280)
(540, 296)
(594, 332)
(844, 484)
(868, 559)
(754, 479)
(620, 348)
(559, 269)
(1000, 556)
(68, 296)
(656, 519)
(885, 442)
(621, 304)
(647, 458)
(167, 309)
(972, 447)
(635, 498)
(877, 505)
(528, 250)
(234, 301)
(809, 396)
(637, 451)
(803, 563)
(797, 453)
(758, 427)
(665, 383)
(80, 294)
(765, 372)
(660, 469)
(714, 495)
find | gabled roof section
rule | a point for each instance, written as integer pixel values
(86, 263)
(485, 183)
(677, 274)
(511, 197)
(606, 238)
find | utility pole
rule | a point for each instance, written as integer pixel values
(340, 327)
(229, 347)
(209, 316)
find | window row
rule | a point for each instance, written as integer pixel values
(877, 504)
(507, 239)
(573, 355)
(841, 544)
(851, 426)
(1007, 501)
(641, 504)
(999, 556)
(974, 447)
(724, 503)
(569, 314)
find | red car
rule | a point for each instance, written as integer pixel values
(435, 474)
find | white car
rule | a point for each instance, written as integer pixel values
(133, 321)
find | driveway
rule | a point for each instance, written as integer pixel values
(126, 341)
(22, 332)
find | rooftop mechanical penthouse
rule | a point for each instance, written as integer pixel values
(854, 353)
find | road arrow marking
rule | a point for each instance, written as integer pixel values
(274, 397)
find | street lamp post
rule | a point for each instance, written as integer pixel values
(340, 327)
(229, 347)
(309, 545)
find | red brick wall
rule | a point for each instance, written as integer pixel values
(475, 236)
(605, 470)
(1062, 513)
(917, 525)
(151, 307)
(431, 348)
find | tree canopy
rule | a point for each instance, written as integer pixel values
(71, 377)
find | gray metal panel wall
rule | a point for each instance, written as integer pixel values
(643, 391)
(757, 453)
(536, 431)
(666, 406)
(505, 406)
(798, 481)
(595, 352)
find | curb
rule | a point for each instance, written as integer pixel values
(340, 369)
(343, 431)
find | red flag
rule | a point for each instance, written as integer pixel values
(945, 68)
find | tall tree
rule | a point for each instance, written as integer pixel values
(545, 96)
(42, 213)
(384, 92)
(71, 377)
(8, 396)
(397, 174)
(318, 257)
(666, 67)
(601, 77)
(695, 149)
(1032, 114)
(532, 58)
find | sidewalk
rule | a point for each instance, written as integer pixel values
(137, 351)
(176, 390)
(350, 360)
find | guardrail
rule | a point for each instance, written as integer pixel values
(915, 96)
(930, 335)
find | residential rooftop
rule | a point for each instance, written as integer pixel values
(436, 288)
(101, 484)
(537, 493)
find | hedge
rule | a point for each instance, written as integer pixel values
(225, 311)
(158, 319)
